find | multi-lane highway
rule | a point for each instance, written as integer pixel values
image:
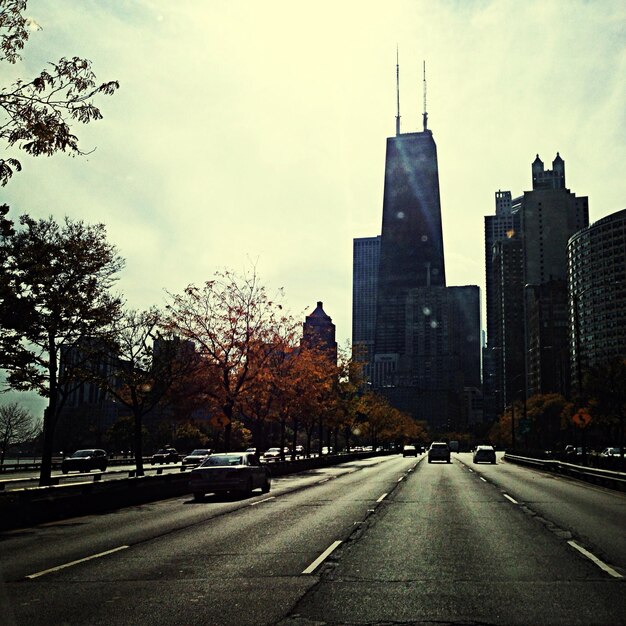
(383, 540)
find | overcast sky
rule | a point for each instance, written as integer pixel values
(253, 132)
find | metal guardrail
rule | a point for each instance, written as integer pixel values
(606, 478)
(57, 478)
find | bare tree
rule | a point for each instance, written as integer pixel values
(143, 367)
(17, 425)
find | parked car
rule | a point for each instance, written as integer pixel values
(299, 450)
(439, 451)
(196, 457)
(484, 454)
(85, 461)
(165, 455)
(409, 450)
(238, 472)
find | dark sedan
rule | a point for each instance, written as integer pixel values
(238, 472)
(85, 461)
(165, 455)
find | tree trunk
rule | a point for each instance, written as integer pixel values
(45, 471)
(321, 435)
(294, 442)
(283, 423)
(346, 434)
(137, 442)
(49, 418)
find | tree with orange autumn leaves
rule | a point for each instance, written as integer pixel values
(252, 368)
(232, 322)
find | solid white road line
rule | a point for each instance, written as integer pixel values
(261, 501)
(87, 558)
(321, 558)
(601, 564)
(508, 497)
(382, 497)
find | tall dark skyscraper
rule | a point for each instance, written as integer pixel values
(421, 336)
(411, 247)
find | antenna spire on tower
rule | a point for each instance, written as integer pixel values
(398, 91)
(425, 114)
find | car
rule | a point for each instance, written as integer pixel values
(439, 451)
(614, 451)
(484, 454)
(272, 454)
(251, 450)
(299, 450)
(235, 472)
(409, 450)
(196, 457)
(165, 455)
(85, 461)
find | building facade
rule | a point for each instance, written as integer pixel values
(318, 332)
(597, 294)
(424, 344)
(526, 266)
(365, 259)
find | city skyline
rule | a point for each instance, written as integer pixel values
(245, 134)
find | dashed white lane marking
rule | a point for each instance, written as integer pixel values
(592, 557)
(483, 479)
(261, 501)
(470, 469)
(322, 557)
(87, 558)
(382, 497)
(400, 479)
(508, 497)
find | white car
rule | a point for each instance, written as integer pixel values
(409, 450)
(237, 472)
(272, 454)
(610, 452)
(196, 457)
(484, 454)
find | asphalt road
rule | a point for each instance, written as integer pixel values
(385, 540)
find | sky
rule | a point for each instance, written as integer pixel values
(252, 134)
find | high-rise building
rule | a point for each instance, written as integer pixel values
(319, 332)
(597, 294)
(550, 215)
(526, 272)
(426, 337)
(411, 246)
(507, 340)
(502, 226)
(366, 254)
